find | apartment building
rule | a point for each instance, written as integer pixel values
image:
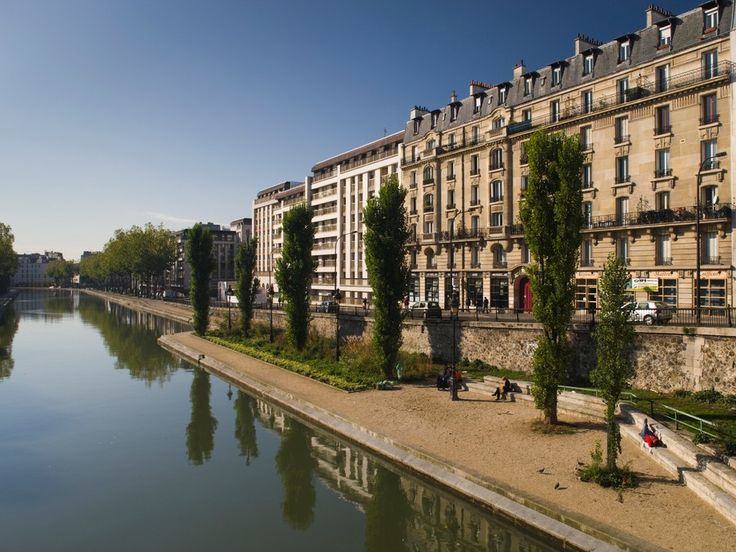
(339, 191)
(243, 227)
(653, 111)
(32, 269)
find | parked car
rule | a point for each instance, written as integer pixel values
(327, 306)
(425, 309)
(649, 312)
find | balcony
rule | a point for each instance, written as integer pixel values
(496, 198)
(516, 230)
(709, 119)
(663, 261)
(496, 165)
(711, 165)
(413, 185)
(586, 146)
(587, 262)
(519, 127)
(429, 208)
(710, 260)
(662, 129)
(474, 202)
(428, 181)
(475, 172)
(663, 216)
(662, 173)
(451, 176)
(450, 206)
(621, 139)
(499, 264)
(524, 159)
(622, 179)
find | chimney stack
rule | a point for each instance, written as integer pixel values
(519, 70)
(655, 14)
(583, 43)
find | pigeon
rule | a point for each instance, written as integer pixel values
(540, 470)
(557, 485)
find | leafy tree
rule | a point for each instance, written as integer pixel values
(8, 329)
(245, 428)
(245, 265)
(294, 271)
(613, 337)
(552, 218)
(387, 515)
(199, 256)
(8, 258)
(295, 465)
(60, 270)
(202, 426)
(385, 237)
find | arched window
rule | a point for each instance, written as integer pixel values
(428, 174)
(428, 203)
(431, 259)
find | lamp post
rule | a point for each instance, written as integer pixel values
(228, 295)
(454, 307)
(336, 295)
(270, 312)
(706, 162)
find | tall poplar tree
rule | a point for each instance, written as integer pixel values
(386, 234)
(8, 258)
(613, 336)
(199, 257)
(294, 271)
(552, 216)
(245, 266)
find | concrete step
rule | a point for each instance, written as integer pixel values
(710, 493)
(722, 475)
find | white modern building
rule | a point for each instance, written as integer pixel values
(32, 269)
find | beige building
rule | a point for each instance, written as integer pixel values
(653, 112)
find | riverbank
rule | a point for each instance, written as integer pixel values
(489, 444)
(5, 301)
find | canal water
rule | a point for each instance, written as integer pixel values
(108, 442)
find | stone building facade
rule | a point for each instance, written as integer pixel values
(653, 112)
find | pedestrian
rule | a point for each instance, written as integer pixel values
(485, 305)
(459, 381)
(365, 304)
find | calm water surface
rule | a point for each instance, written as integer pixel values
(108, 442)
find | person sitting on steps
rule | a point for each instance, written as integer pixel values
(503, 390)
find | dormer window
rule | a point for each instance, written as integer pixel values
(477, 103)
(417, 124)
(588, 64)
(556, 76)
(454, 108)
(502, 93)
(665, 36)
(527, 86)
(710, 20)
(435, 118)
(624, 51)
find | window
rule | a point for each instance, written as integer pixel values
(622, 210)
(432, 287)
(435, 117)
(499, 257)
(413, 205)
(662, 163)
(524, 183)
(662, 201)
(498, 122)
(663, 255)
(665, 36)
(451, 141)
(417, 125)
(428, 174)
(431, 259)
(662, 120)
(474, 197)
(496, 220)
(496, 190)
(710, 248)
(450, 170)
(709, 109)
(450, 199)
(526, 255)
(526, 115)
(451, 228)
(586, 253)
(708, 152)
(428, 227)
(499, 292)
(586, 101)
(454, 108)
(622, 86)
(414, 232)
(475, 135)
(556, 76)
(414, 256)
(622, 130)
(712, 293)
(414, 155)
(710, 64)
(587, 176)
(413, 179)
(622, 249)
(710, 20)
(429, 146)
(708, 196)
(475, 256)
(586, 138)
(554, 111)
(624, 51)
(497, 159)
(502, 94)
(474, 165)
(588, 64)
(666, 292)
(662, 78)
(428, 203)
(586, 294)
(523, 157)
(587, 214)
(477, 103)
(527, 86)
(622, 169)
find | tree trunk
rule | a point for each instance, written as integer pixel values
(611, 436)
(550, 409)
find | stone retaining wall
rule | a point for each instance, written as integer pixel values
(666, 358)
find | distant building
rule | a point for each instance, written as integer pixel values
(243, 228)
(224, 248)
(32, 269)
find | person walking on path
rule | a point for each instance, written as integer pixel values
(485, 305)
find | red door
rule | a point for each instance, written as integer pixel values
(526, 295)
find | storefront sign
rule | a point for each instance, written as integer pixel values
(643, 284)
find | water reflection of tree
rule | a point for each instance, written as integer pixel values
(295, 465)
(8, 329)
(245, 429)
(133, 345)
(202, 426)
(387, 514)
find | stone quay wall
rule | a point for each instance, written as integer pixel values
(666, 357)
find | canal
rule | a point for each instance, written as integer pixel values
(108, 442)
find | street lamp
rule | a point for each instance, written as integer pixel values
(337, 297)
(228, 295)
(270, 312)
(707, 162)
(454, 307)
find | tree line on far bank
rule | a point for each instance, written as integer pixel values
(8, 258)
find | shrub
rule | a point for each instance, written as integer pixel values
(415, 366)
(682, 393)
(707, 396)
(596, 472)
(702, 438)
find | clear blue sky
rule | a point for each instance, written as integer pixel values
(114, 113)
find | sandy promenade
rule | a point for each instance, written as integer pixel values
(492, 440)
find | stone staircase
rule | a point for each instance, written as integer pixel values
(707, 475)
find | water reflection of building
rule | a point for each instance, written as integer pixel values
(438, 521)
